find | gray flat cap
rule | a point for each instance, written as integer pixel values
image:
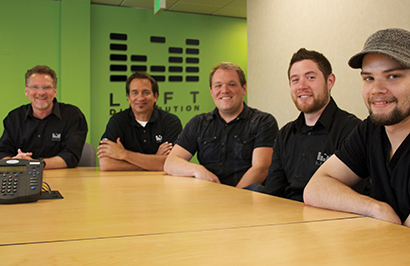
(394, 43)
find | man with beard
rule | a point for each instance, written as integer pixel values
(304, 144)
(45, 129)
(380, 146)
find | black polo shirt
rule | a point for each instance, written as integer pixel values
(225, 149)
(367, 152)
(299, 150)
(62, 133)
(161, 127)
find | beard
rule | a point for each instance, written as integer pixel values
(319, 102)
(392, 118)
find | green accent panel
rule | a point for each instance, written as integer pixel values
(75, 56)
(220, 39)
(28, 37)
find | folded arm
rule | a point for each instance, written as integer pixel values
(329, 188)
(113, 156)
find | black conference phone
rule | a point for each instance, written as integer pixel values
(21, 180)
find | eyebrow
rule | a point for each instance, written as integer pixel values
(386, 71)
(304, 74)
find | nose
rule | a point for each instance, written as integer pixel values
(378, 87)
(224, 87)
(302, 83)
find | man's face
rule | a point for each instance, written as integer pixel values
(141, 98)
(41, 92)
(386, 89)
(309, 90)
(227, 92)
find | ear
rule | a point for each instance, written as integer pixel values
(331, 81)
(26, 92)
(244, 88)
(156, 97)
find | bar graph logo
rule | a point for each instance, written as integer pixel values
(120, 62)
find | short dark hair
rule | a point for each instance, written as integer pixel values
(42, 70)
(318, 58)
(228, 66)
(142, 75)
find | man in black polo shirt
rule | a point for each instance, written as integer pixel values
(304, 144)
(45, 129)
(140, 137)
(234, 142)
(379, 147)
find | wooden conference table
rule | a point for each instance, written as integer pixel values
(149, 218)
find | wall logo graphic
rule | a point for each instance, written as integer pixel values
(188, 55)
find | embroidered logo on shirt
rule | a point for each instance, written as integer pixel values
(321, 158)
(158, 138)
(55, 136)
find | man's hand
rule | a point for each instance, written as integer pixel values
(204, 174)
(164, 149)
(23, 155)
(407, 222)
(111, 149)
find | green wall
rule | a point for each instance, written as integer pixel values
(74, 38)
(44, 32)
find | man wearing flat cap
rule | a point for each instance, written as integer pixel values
(380, 146)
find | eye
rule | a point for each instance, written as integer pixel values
(232, 84)
(47, 87)
(294, 80)
(393, 76)
(311, 77)
(217, 86)
(368, 78)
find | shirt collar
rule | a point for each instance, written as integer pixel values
(56, 110)
(325, 119)
(154, 116)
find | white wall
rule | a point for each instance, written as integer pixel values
(336, 28)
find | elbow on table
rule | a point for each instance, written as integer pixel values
(309, 195)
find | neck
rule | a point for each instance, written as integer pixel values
(41, 114)
(228, 117)
(311, 118)
(397, 133)
(143, 117)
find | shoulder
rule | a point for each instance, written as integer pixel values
(259, 118)
(347, 117)
(19, 112)
(164, 115)
(255, 113)
(69, 109)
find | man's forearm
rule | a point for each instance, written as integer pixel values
(175, 165)
(109, 164)
(55, 163)
(254, 175)
(329, 193)
(150, 162)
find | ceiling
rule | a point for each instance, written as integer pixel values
(226, 8)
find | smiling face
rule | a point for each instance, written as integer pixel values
(41, 92)
(227, 93)
(141, 99)
(309, 90)
(386, 89)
